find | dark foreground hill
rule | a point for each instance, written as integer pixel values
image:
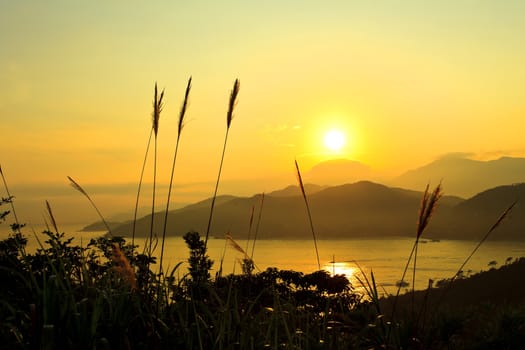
(502, 286)
(484, 311)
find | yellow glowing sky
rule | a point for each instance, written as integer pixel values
(406, 81)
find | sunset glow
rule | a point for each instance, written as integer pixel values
(77, 84)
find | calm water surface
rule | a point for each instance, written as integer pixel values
(385, 257)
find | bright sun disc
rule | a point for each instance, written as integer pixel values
(334, 140)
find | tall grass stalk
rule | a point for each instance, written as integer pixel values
(229, 117)
(179, 130)
(489, 232)
(427, 208)
(250, 228)
(51, 217)
(301, 185)
(17, 223)
(157, 108)
(498, 222)
(79, 188)
(257, 226)
(135, 212)
(239, 249)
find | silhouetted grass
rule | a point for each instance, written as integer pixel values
(301, 186)
(135, 211)
(229, 118)
(158, 105)
(79, 188)
(182, 114)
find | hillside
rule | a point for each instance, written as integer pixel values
(472, 218)
(362, 209)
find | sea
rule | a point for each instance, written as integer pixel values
(385, 258)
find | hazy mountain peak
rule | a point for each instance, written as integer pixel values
(338, 171)
(463, 176)
(293, 190)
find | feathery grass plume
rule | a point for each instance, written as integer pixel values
(17, 223)
(235, 245)
(135, 212)
(426, 209)
(181, 125)
(157, 108)
(51, 217)
(229, 117)
(233, 102)
(301, 185)
(247, 263)
(123, 267)
(257, 225)
(77, 187)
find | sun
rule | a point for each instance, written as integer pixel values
(334, 140)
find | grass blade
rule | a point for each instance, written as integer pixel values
(79, 188)
(301, 185)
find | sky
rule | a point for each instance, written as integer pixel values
(405, 81)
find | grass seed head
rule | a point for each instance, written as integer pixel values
(157, 108)
(123, 267)
(184, 107)
(233, 102)
(427, 208)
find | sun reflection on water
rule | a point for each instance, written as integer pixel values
(350, 270)
(342, 268)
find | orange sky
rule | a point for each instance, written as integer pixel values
(406, 81)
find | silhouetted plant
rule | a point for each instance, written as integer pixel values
(157, 108)
(301, 186)
(16, 226)
(229, 118)
(257, 226)
(79, 188)
(179, 131)
(199, 262)
(136, 209)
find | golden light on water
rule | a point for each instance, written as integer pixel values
(342, 268)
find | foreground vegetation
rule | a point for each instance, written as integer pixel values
(106, 296)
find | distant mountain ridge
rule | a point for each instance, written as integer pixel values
(464, 177)
(361, 209)
(339, 171)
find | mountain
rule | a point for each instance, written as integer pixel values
(362, 209)
(464, 177)
(126, 221)
(339, 171)
(472, 218)
(291, 190)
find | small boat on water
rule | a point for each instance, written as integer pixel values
(402, 284)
